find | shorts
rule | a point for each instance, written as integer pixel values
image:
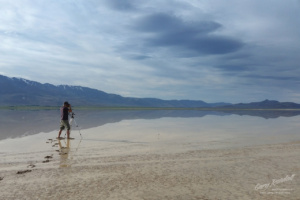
(63, 124)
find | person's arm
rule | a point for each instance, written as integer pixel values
(70, 109)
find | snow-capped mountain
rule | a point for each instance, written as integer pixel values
(19, 91)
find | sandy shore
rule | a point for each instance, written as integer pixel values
(116, 170)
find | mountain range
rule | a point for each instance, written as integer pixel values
(19, 91)
(23, 92)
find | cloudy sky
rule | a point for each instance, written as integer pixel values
(216, 50)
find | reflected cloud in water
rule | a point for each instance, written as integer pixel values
(14, 123)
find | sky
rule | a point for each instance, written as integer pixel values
(216, 51)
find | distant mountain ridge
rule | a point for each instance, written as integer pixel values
(19, 91)
(23, 92)
(266, 104)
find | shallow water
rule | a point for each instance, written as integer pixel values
(163, 129)
(14, 123)
(218, 153)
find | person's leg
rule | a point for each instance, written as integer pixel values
(61, 128)
(59, 133)
(68, 130)
(68, 134)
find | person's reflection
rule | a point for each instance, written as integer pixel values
(64, 153)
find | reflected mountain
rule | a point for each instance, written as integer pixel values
(266, 114)
(15, 123)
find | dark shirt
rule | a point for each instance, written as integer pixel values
(64, 113)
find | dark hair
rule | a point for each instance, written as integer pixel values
(66, 103)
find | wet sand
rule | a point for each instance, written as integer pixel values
(140, 171)
(137, 160)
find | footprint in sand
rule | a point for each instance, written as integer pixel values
(55, 145)
(24, 171)
(1, 178)
(50, 140)
(31, 165)
(49, 157)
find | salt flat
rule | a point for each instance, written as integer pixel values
(212, 157)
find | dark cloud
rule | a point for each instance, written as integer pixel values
(195, 37)
(138, 57)
(214, 45)
(277, 78)
(159, 22)
(234, 68)
(167, 23)
(123, 5)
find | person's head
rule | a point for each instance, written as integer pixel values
(66, 104)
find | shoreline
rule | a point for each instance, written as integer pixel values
(29, 108)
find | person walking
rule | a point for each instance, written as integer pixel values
(64, 120)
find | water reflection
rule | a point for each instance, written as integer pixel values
(15, 123)
(64, 150)
(124, 132)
